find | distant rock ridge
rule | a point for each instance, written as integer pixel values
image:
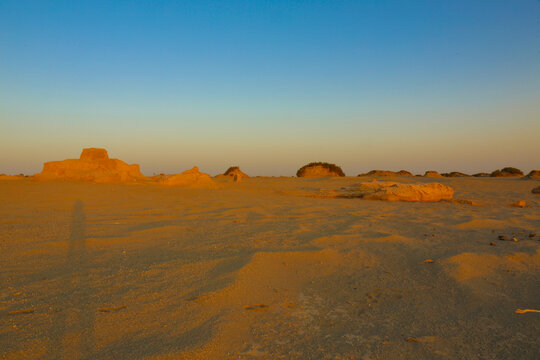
(455, 174)
(534, 174)
(319, 169)
(93, 165)
(12, 177)
(507, 172)
(387, 173)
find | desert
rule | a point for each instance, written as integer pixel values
(268, 268)
(270, 180)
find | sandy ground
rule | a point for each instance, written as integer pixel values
(255, 271)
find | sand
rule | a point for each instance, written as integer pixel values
(258, 270)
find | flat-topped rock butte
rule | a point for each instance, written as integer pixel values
(93, 165)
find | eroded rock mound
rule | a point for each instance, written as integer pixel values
(234, 171)
(482, 174)
(432, 173)
(319, 169)
(534, 174)
(94, 165)
(536, 190)
(192, 178)
(390, 191)
(507, 172)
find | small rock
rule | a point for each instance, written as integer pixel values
(520, 203)
(502, 238)
(531, 235)
(514, 239)
(412, 339)
(492, 243)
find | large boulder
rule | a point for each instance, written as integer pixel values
(319, 169)
(432, 173)
(534, 174)
(391, 191)
(192, 178)
(94, 165)
(507, 172)
(235, 171)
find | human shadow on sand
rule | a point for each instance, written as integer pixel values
(74, 314)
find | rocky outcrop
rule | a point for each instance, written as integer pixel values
(391, 191)
(404, 173)
(432, 174)
(94, 165)
(482, 174)
(507, 172)
(536, 190)
(534, 174)
(319, 169)
(192, 178)
(234, 171)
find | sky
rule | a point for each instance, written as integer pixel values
(272, 85)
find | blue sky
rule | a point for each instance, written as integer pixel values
(272, 85)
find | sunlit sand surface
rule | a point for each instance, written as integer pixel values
(259, 269)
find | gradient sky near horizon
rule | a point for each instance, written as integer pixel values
(272, 85)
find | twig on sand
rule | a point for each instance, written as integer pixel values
(24, 311)
(112, 308)
(523, 311)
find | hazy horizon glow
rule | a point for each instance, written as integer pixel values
(272, 85)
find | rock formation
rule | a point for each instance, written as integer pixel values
(536, 190)
(319, 169)
(192, 178)
(534, 174)
(507, 172)
(94, 165)
(482, 174)
(432, 173)
(391, 191)
(235, 170)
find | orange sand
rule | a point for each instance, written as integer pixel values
(259, 270)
